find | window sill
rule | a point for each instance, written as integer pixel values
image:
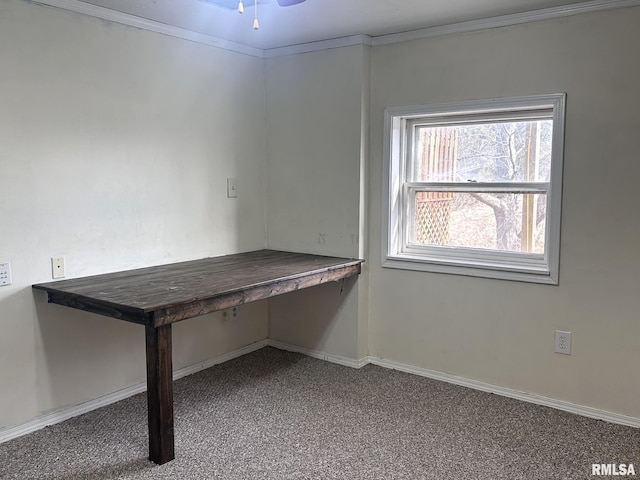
(500, 272)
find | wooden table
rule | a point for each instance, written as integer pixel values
(156, 297)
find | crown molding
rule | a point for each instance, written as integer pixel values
(150, 25)
(505, 20)
(83, 8)
(317, 46)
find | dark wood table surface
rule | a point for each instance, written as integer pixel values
(156, 297)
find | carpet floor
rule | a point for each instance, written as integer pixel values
(279, 415)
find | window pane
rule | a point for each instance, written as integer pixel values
(509, 222)
(518, 151)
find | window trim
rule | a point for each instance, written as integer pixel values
(536, 268)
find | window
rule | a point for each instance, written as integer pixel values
(474, 188)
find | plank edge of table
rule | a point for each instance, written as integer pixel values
(158, 326)
(163, 314)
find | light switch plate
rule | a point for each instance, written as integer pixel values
(5, 274)
(232, 188)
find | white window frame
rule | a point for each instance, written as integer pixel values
(397, 252)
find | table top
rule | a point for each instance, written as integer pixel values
(165, 294)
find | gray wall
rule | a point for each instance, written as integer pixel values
(115, 146)
(316, 132)
(501, 332)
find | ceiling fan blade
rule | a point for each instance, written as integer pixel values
(288, 3)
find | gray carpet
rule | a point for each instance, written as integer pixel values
(278, 415)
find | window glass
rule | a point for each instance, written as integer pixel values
(475, 187)
(484, 152)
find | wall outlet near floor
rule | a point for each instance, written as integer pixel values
(563, 342)
(57, 267)
(5, 274)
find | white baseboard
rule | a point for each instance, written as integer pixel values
(508, 392)
(69, 412)
(183, 372)
(465, 382)
(66, 413)
(329, 357)
(60, 415)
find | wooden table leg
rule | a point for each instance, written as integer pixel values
(160, 393)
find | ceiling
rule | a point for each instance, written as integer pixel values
(316, 20)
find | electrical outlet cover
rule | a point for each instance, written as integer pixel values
(563, 342)
(5, 274)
